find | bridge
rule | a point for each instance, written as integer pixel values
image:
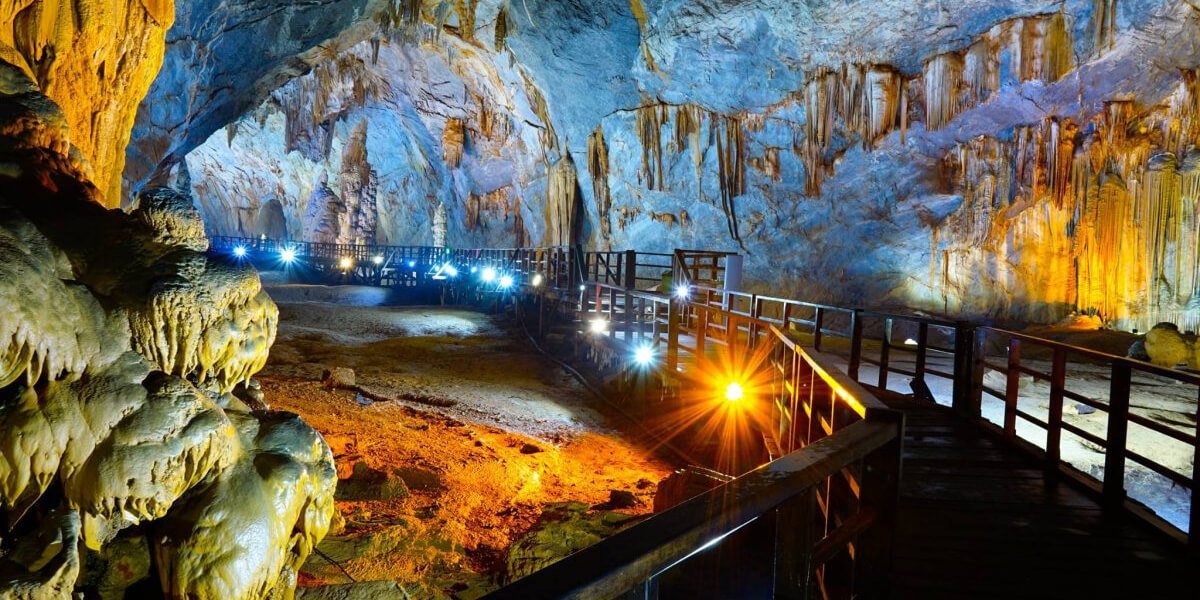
(889, 455)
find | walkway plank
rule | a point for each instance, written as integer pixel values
(978, 519)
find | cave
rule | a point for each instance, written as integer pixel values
(599, 299)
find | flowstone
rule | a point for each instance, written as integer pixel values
(121, 342)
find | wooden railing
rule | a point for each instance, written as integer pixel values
(824, 510)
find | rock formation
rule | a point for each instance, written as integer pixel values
(124, 341)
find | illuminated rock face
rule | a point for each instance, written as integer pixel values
(1020, 159)
(123, 340)
(106, 51)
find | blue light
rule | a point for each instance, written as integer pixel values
(643, 356)
(449, 270)
(489, 275)
(506, 282)
(412, 264)
(682, 292)
(288, 255)
(240, 251)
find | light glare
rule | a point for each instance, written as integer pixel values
(377, 260)
(489, 275)
(682, 292)
(345, 263)
(240, 251)
(288, 255)
(734, 392)
(506, 282)
(537, 280)
(598, 326)
(449, 270)
(644, 355)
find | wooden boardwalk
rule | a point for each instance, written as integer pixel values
(978, 519)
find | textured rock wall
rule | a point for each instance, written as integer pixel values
(368, 147)
(1020, 159)
(122, 342)
(108, 52)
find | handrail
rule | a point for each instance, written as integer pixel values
(842, 469)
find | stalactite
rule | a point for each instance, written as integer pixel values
(466, 10)
(731, 160)
(1106, 223)
(401, 15)
(943, 89)
(821, 97)
(454, 139)
(688, 123)
(1182, 122)
(501, 36)
(537, 102)
(598, 168)
(1104, 24)
(650, 120)
(1046, 48)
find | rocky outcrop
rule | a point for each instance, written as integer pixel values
(108, 52)
(123, 340)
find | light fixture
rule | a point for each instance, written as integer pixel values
(288, 255)
(537, 280)
(643, 356)
(240, 251)
(449, 270)
(583, 287)
(345, 263)
(682, 292)
(412, 264)
(910, 342)
(377, 260)
(489, 275)
(598, 326)
(473, 269)
(734, 392)
(506, 281)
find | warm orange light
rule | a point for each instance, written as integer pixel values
(734, 392)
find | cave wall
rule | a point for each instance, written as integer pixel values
(444, 124)
(990, 159)
(107, 52)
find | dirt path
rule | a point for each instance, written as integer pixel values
(518, 441)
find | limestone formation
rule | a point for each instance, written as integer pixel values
(122, 341)
(1166, 347)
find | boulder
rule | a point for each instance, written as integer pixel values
(338, 378)
(1167, 347)
(368, 483)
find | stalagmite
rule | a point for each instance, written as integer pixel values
(563, 209)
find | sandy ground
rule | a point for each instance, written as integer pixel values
(516, 436)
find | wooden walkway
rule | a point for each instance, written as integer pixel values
(978, 519)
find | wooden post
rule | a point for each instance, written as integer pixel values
(1058, 376)
(968, 369)
(795, 536)
(922, 350)
(1118, 431)
(1012, 387)
(880, 485)
(884, 352)
(818, 325)
(673, 317)
(856, 332)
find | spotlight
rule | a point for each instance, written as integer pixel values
(910, 342)
(537, 280)
(506, 282)
(734, 392)
(473, 269)
(489, 275)
(377, 260)
(682, 292)
(240, 252)
(449, 270)
(643, 356)
(288, 255)
(583, 287)
(345, 263)
(412, 264)
(598, 326)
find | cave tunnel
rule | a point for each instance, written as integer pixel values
(599, 299)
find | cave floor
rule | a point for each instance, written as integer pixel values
(490, 438)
